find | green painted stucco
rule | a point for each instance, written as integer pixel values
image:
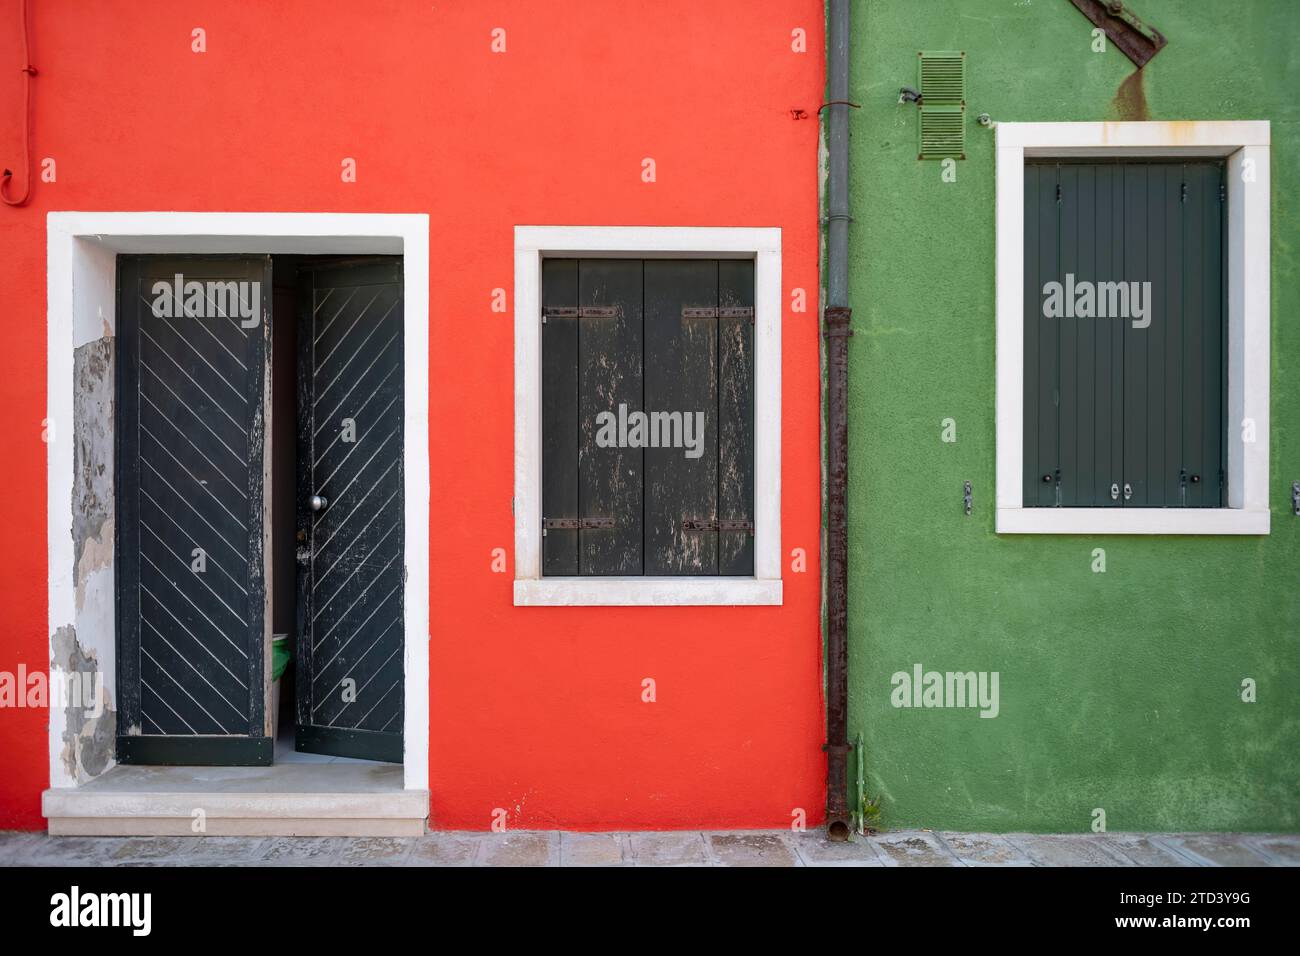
(1118, 690)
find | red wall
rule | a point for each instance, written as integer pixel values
(536, 710)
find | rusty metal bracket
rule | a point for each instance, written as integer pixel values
(714, 524)
(1295, 497)
(586, 312)
(576, 524)
(966, 496)
(1136, 40)
(727, 312)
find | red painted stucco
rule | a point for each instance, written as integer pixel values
(535, 710)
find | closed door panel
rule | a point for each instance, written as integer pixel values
(193, 630)
(350, 534)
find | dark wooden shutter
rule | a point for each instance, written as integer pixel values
(610, 480)
(560, 413)
(681, 358)
(1108, 405)
(1174, 424)
(736, 414)
(191, 428)
(668, 336)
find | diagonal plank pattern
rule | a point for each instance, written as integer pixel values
(351, 631)
(190, 457)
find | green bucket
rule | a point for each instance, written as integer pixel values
(280, 655)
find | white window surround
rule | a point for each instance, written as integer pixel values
(1244, 145)
(82, 296)
(763, 245)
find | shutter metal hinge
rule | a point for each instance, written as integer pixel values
(1223, 192)
(966, 496)
(728, 312)
(1182, 194)
(1182, 487)
(715, 524)
(1295, 497)
(1058, 192)
(586, 312)
(576, 524)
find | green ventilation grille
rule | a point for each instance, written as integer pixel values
(943, 104)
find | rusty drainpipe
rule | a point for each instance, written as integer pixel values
(837, 331)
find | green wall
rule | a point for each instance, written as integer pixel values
(1118, 690)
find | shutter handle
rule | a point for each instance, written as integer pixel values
(1128, 491)
(1114, 491)
(317, 502)
(1047, 479)
(1196, 479)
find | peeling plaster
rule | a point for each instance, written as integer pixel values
(88, 742)
(92, 489)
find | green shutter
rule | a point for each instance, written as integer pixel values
(1107, 404)
(942, 127)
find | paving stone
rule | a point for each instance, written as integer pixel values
(303, 851)
(738, 848)
(1143, 850)
(591, 849)
(520, 848)
(1216, 849)
(752, 849)
(150, 848)
(913, 848)
(815, 850)
(73, 851)
(16, 847)
(444, 849)
(669, 849)
(1066, 849)
(985, 849)
(220, 850)
(1281, 848)
(369, 851)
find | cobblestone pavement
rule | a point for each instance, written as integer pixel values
(674, 848)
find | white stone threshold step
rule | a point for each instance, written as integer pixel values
(282, 800)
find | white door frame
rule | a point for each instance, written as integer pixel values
(82, 295)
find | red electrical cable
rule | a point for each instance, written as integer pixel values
(28, 72)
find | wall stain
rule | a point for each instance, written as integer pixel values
(1130, 102)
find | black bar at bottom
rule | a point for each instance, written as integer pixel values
(196, 751)
(362, 744)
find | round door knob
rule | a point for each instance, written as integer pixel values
(318, 502)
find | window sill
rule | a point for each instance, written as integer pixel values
(646, 591)
(1131, 521)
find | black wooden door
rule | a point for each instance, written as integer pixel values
(350, 539)
(193, 629)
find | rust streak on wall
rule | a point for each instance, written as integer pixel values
(1130, 102)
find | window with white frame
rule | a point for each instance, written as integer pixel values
(647, 415)
(1133, 312)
